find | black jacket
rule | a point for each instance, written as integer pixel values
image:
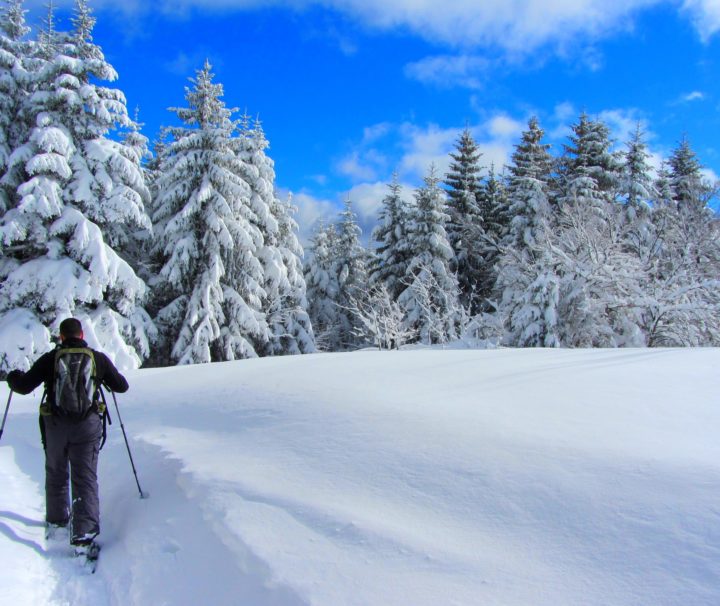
(44, 369)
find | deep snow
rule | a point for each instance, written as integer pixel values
(426, 477)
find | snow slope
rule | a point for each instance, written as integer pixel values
(426, 477)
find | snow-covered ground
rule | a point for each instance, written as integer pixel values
(427, 477)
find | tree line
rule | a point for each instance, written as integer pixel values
(184, 253)
(587, 248)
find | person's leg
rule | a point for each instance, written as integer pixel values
(57, 501)
(83, 449)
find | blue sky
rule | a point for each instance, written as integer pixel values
(351, 90)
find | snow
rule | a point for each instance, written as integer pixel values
(424, 477)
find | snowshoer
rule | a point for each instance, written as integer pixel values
(72, 428)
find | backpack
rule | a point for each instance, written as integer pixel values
(77, 390)
(75, 382)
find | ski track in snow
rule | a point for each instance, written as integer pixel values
(426, 477)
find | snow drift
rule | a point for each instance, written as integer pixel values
(427, 477)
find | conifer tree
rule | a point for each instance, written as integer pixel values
(527, 285)
(637, 191)
(391, 255)
(430, 299)
(463, 186)
(589, 154)
(682, 290)
(284, 303)
(636, 185)
(529, 188)
(350, 268)
(14, 84)
(322, 286)
(210, 286)
(77, 187)
(464, 228)
(685, 175)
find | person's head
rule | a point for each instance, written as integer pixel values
(70, 328)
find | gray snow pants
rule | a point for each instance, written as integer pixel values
(71, 451)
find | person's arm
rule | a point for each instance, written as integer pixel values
(24, 382)
(109, 374)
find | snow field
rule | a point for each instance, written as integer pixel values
(417, 477)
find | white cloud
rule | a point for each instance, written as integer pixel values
(517, 26)
(705, 15)
(412, 149)
(622, 124)
(695, 95)
(363, 164)
(366, 202)
(447, 71)
(425, 147)
(710, 175)
(504, 127)
(376, 131)
(351, 166)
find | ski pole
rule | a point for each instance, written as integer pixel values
(127, 445)
(2, 428)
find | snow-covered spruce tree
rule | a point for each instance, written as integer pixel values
(529, 290)
(14, 83)
(431, 297)
(527, 286)
(486, 237)
(589, 155)
(135, 244)
(588, 243)
(350, 268)
(209, 290)
(391, 257)
(322, 287)
(465, 231)
(637, 191)
(636, 183)
(681, 306)
(78, 191)
(284, 303)
(528, 189)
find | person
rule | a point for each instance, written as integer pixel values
(71, 442)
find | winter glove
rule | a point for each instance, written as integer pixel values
(13, 377)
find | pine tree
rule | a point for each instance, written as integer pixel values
(322, 287)
(351, 272)
(465, 230)
(527, 285)
(529, 189)
(463, 186)
(484, 236)
(636, 185)
(76, 187)
(210, 286)
(391, 256)
(430, 299)
(681, 304)
(685, 176)
(284, 303)
(589, 155)
(14, 83)
(637, 190)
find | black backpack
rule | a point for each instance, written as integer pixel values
(76, 388)
(75, 382)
